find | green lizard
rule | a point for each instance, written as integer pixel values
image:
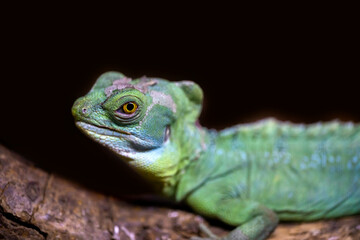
(248, 176)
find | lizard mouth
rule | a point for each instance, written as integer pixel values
(106, 131)
(112, 137)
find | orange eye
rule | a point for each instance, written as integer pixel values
(129, 107)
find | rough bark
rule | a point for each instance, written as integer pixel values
(38, 205)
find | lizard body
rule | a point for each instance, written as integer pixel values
(248, 176)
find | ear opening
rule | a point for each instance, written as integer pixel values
(106, 79)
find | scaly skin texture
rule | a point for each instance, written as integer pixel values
(248, 176)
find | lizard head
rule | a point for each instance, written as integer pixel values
(146, 122)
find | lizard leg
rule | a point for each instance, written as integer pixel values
(257, 228)
(257, 221)
(254, 221)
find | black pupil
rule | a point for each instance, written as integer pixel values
(130, 106)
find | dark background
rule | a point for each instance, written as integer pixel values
(293, 66)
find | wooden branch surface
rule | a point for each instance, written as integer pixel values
(38, 205)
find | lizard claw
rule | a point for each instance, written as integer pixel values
(204, 229)
(200, 238)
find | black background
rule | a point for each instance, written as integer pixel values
(301, 67)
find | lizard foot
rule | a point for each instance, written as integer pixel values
(204, 229)
(236, 234)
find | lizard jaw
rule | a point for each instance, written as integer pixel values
(118, 141)
(106, 131)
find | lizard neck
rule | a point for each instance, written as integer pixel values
(194, 142)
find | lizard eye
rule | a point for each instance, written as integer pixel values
(129, 107)
(125, 109)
